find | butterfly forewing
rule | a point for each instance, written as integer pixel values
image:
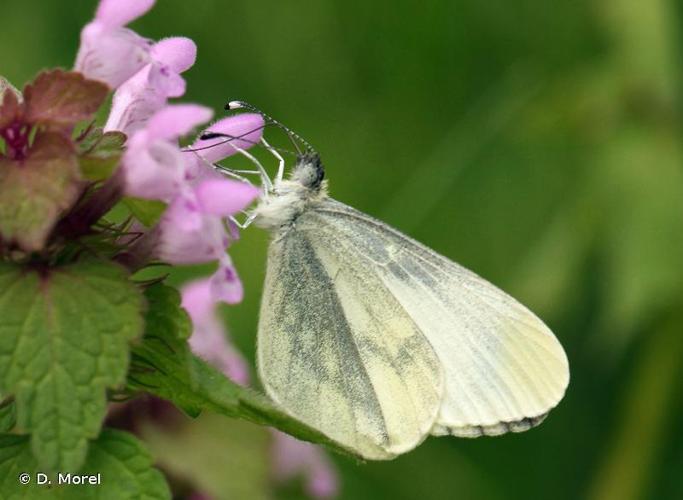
(337, 349)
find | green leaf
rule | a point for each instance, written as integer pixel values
(62, 98)
(146, 211)
(164, 314)
(163, 348)
(100, 153)
(35, 190)
(113, 140)
(63, 340)
(96, 140)
(98, 168)
(124, 467)
(88, 138)
(15, 459)
(163, 365)
(8, 415)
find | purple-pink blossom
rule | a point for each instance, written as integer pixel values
(246, 128)
(153, 165)
(109, 52)
(192, 230)
(209, 339)
(148, 90)
(293, 458)
(195, 227)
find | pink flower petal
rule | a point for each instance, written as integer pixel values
(247, 126)
(146, 92)
(209, 342)
(197, 299)
(322, 481)
(293, 458)
(178, 53)
(134, 102)
(165, 82)
(177, 120)
(198, 169)
(152, 169)
(178, 245)
(209, 339)
(233, 365)
(225, 284)
(233, 231)
(185, 212)
(111, 55)
(224, 196)
(114, 13)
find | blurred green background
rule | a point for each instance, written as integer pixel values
(537, 143)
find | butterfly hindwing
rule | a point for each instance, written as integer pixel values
(504, 369)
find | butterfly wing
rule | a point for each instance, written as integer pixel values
(338, 351)
(504, 369)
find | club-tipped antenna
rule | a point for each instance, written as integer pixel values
(233, 105)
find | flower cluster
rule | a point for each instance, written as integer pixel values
(145, 75)
(137, 158)
(60, 176)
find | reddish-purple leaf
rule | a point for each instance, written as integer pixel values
(35, 191)
(10, 108)
(61, 97)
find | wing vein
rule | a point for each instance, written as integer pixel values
(474, 348)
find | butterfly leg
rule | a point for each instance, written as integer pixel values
(280, 159)
(235, 174)
(265, 180)
(247, 222)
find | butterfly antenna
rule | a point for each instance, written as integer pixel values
(233, 105)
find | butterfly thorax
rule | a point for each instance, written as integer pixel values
(291, 197)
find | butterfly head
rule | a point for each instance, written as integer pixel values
(309, 170)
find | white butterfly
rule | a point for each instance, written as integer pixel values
(378, 341)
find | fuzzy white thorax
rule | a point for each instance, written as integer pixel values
(289, 198)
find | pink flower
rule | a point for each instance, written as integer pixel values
(150, 88)
(192, 230)
(225, 284)
(248, 127)
(209, 339)
(153, 165)
(109, 52)
(293, 458)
